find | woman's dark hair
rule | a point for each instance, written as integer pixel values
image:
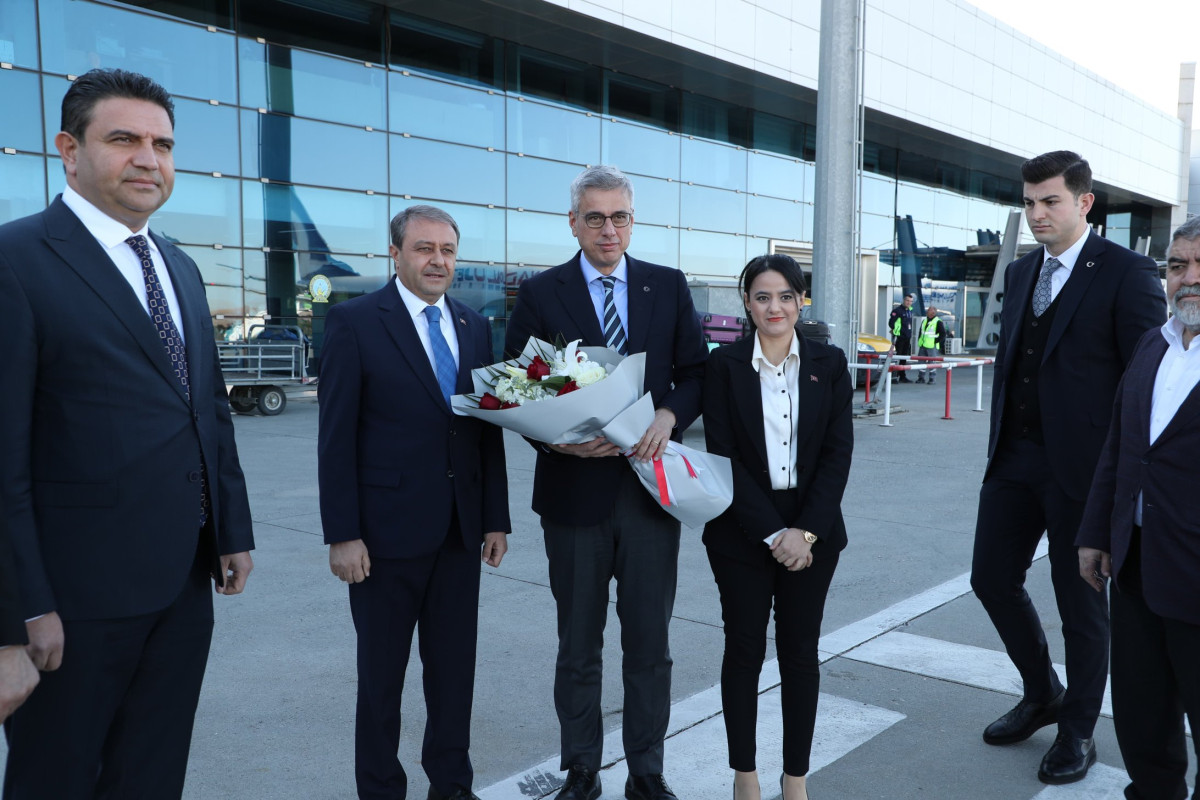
(778, 262)
(100, 84)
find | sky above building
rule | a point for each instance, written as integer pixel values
(1136, 45)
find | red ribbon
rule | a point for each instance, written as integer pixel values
(660, 475)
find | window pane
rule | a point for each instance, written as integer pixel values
(79, 36)
(878, 232)
(915, 200)
(351, 28)
(480, 286)
(540, 185)
(201, 210)
(878, 195)
(774, 219)
(20, 124)
(226, 305)
(206, 137)
(713, 164)
(287, 148)
(439, 171)
(53, 90)
(951, 209)
(655, 244)
(56, 179)
(711, 253)
(316, 220)
(776, 176)
(322, 87)
(443, 49)
(217, 267)
(541, 239)
(252, 72)
(656, 202)
(646, 151)
(18, 34)
(712, 209)
(438, 110)
(538, 129)
(24, 181)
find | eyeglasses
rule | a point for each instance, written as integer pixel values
(621, 219)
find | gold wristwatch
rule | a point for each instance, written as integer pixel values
(809, 536)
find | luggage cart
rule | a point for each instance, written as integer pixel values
(258, 368)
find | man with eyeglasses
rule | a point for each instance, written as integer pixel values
(599, 523)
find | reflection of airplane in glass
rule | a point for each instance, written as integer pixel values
(314, 257)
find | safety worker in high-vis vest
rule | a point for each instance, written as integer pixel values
(931, 341)
(900, 326)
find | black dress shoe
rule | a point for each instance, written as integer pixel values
(1023, 721)
(648, 787)
(1067, 760)
(461, 794)
(582, 784)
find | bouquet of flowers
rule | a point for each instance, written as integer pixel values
(559, 396)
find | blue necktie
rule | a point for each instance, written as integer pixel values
(443, 359)
(168, 334)
(614, 334)
(1041, 290)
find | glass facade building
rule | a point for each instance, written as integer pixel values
(303, 126)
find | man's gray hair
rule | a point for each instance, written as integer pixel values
(603, 178)
(1188, 230)
(432, 213)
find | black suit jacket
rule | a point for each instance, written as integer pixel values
(393, 462)
(555, 305)
(12, 620)
(733, 427)
(100, 450)
(1112, 297)
(1165, 474)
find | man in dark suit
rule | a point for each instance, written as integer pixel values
(118, 467)
(18, 676)
(409, 494)
(1141, 528)
(1074, 310)
(599, 523)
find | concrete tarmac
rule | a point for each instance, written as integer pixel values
(912, 664)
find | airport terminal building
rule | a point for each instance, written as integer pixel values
(303, 125)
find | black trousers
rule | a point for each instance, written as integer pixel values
(114, 722)
(748, 592)
(639, 546)
(1155, 681)
(438, 595)
(1019, 500)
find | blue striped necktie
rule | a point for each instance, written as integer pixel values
(443, 359)
(614, 334)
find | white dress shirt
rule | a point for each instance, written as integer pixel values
(1067, 259)
(416, 308)
(1178, 374)
(111, 235)
(779, 385)
(596, 290)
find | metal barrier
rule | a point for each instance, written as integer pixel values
(926, 364)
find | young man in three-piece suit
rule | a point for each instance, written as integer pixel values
(604, 297)
(409, 494)
(1073, 312)
(120, 477)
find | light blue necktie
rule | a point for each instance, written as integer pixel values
(443, 359)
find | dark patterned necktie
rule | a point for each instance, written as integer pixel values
(443, 359)
(1041, 291)
(614, 334)
(168, 334)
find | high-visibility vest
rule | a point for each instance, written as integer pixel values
(898, 325)
(928, 333)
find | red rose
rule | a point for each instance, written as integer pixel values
(569, 386)
(538, 369)
(490, 402)
(509, 405)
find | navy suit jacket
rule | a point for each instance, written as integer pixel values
(733, 427)
(1165, 474)
(12, 620)
(393, 462)
(555, 306)
(100, 450)
(1112, 297)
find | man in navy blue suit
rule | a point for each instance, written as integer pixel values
(120, 477)
(1073, 312)
(18, 676)
(409, 494)
(1141, 528)
(599, 522)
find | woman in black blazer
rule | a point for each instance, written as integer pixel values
(778, 406)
